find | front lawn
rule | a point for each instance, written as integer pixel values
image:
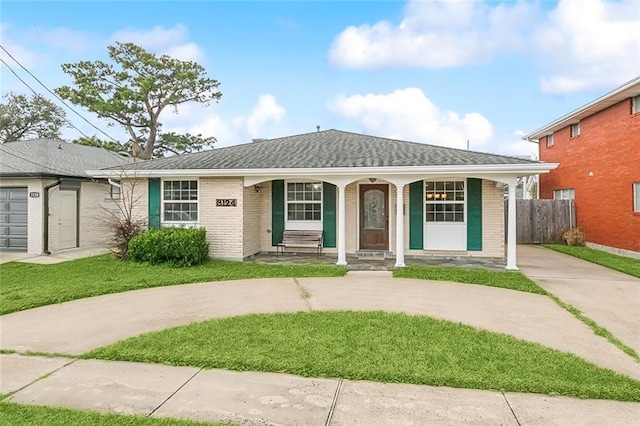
(14, 414)
(378, 346)
(623, 264)
(512, 280)
(26, 285)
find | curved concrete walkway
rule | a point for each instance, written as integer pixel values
(79, 326)
(266, 398)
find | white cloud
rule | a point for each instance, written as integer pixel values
(157, 38)
(408, 114)
(261, 121)
(169, 41)
(515, 146)
(589, 44)
(435, 34)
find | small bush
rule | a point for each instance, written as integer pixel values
(175, 246)
(573, 237)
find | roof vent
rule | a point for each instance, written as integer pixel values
(259, 139)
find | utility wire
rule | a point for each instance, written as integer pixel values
(37, 94)
(53, 93)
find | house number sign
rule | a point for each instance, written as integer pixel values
(226, 202)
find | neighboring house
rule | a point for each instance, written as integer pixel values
(598, 148)
(353, 187)
(45, 178)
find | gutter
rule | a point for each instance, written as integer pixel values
(46, 214)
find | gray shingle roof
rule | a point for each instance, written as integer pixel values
(54, 158)
(326, 149)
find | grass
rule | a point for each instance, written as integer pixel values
(376, 346)
(14, 414)
(623, 264)
(512, 280)
(25, 285)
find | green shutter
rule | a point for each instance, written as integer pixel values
(154, 203)
(416, 219)
(474, 214)
(329, 214)
(277, 211)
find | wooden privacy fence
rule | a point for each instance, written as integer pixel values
(541, 221)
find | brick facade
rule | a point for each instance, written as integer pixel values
(601, 165)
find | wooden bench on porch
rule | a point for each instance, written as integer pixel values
(302, 239)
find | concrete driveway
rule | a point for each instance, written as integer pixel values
(610, 298)
(76, 327)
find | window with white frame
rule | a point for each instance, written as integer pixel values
(114, 192)
(635, 104)
(444, 201)
(564, 194)
(549, 140)
(304, 201)
(575, 130)
(180, 200)
(636, 197)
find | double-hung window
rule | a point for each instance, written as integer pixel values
(304, 201)
(635, 104)
(575, 130)
(564, 194)
(636, 197)
(444, 201)
(180, 200)
(549, 141)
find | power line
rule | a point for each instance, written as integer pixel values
(32, 162)
(53, 93)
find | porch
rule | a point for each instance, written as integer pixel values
(381, 263)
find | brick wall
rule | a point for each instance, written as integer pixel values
(252, 202)
(608, 147)
(224, 225)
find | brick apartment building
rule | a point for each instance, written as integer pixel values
(598, 149)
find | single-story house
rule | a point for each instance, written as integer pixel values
(47, 201)
(353, 187)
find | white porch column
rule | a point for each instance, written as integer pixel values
(511, 228)
(342, 233)
(399, 225)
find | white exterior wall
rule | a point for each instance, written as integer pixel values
(95, 201)
(224, 225)
(252, 202)
(492, 221)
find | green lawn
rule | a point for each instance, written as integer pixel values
(14, 414)
(505, 279)
(624, 264)
(376, 346)
(26, 285)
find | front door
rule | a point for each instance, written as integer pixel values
(68, 220)
(374, 217)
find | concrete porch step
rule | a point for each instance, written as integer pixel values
(374, 254)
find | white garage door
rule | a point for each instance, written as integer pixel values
(13, 219)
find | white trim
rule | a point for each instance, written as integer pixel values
(336, 173)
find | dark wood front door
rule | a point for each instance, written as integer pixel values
(374, 217)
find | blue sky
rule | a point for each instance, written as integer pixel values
(429, 71)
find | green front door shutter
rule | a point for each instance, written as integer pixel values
(154, 203)
(277, 211)
(474, 214)
(416, 219)
(329, 214)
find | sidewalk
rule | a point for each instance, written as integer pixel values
(610, 298)
(251, 398)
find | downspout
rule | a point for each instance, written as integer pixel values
(46, 214)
